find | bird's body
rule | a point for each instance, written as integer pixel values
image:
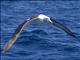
(40, 17)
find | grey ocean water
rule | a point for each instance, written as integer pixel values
(41, 41)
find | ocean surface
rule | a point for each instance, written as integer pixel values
(41, 40)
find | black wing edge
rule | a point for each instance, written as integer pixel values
(63, 27)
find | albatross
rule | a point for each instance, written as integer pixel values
(40, 17)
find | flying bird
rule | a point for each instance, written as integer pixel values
(40, 17)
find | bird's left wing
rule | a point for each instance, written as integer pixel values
(15, 35)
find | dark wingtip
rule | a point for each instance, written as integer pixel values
(74, 36)
(2, 51)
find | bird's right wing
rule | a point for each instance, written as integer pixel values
(15, 35)
(63, 27)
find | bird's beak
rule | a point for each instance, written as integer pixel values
(49, 20)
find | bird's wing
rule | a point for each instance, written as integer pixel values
(63, 27)
(15, 35)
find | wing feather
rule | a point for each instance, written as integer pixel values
(63, 27)
(15, 35)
